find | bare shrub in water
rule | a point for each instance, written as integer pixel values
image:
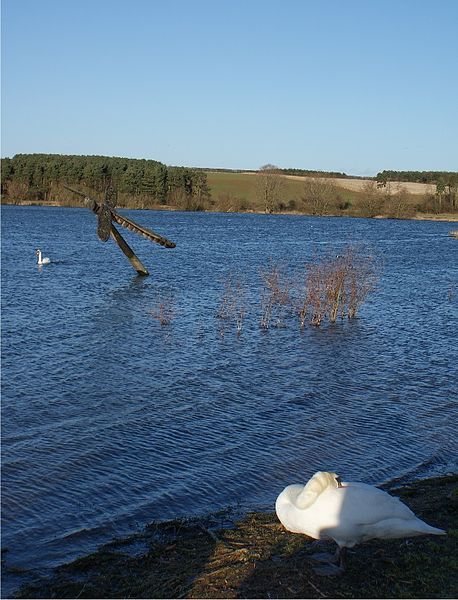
(275, 296)
(163, 312)
(361, 279)
(164, 309)
(336, 286)
(232, 306)
(313, 304)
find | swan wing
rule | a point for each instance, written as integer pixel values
(366, 504)
(360, 512)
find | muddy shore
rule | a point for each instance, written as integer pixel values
(254, 557)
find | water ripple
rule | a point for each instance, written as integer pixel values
(111, 420)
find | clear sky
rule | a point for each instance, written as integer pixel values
(344, 85)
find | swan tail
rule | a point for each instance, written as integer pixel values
(399, 528)
(435, 530)
(424, 528)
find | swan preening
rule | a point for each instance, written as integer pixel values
(348, 513)
(42, 261)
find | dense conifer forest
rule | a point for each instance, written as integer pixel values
(140, 183)
(436, 177)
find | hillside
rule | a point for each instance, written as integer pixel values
(240, 191)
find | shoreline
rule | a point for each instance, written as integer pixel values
(255, 557)
(443, 217)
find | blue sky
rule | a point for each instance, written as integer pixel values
(340, 85)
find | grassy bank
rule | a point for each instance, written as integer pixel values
(257, 558)
(239, 192)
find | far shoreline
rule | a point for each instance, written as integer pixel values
(443, 217)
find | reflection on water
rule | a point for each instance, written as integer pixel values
(111, 420)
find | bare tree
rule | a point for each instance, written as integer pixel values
(373, 199)
(269, 187)
(318, 195)
(397, 205)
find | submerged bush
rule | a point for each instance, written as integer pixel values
(275, 296)
(232, 303)
(163, 311)
(336, 286)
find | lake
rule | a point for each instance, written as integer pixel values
(111, 419)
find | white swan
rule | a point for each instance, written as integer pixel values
(42, 261)
(348, 513)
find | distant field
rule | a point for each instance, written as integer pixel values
(243, 186)
(237, 192)
(240, 184)
(357, 185)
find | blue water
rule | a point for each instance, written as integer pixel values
(111, 420)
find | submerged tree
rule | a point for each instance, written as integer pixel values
(337, 286)
(232, 304)
(275, 296)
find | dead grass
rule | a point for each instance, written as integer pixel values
(452, 217)
(258, 558)
(355, 185)
(358, 185)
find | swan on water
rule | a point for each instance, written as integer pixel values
(42, 261)
(346, 512)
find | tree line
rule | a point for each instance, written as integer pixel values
(139, 182)
(309, 173)
(321, 196)
(142, 183)
(433, 177)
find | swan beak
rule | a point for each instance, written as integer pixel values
(339, 481)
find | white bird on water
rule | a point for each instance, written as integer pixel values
(348, 513)
(42, 261)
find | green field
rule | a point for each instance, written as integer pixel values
(238, 191)
(243, 186)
